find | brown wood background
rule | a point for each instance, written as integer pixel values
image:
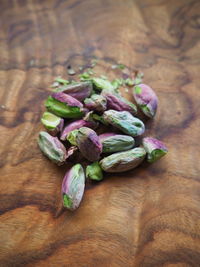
(145, 218)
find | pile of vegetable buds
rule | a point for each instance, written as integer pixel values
(77, 110)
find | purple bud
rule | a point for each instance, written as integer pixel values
(146, 99)
(119, 103)
(67, 99)
(155, 149)
(89, 144)
(73, 186)
(79, 91)
(76, 125)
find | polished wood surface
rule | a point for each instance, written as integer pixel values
(144, 218)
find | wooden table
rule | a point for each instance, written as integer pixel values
(147, 217)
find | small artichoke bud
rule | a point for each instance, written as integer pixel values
(52, 148)
(99, 84)
(146, 99)
(80, 90)
(119, 103)
(116, 142)
(71, 137)
(89, 144)
(52, 123)
(124, 121)
(64, 105)
(155, 149)
(73, 186)
(123, 161)
(94, 172)
(96, 102)
(76, 125)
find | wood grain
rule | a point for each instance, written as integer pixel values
(145, 218)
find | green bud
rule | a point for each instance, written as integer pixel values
(123, 161)
(116, 142)
(94, 172)
(124, 121)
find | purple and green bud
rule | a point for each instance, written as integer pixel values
(52, 148)
(112, 142)
(123, 161)
(124, 121)
(96, 102)
(79, 90)
(119, 103)
(89, 144)
(76, 125)
(146, 99)
(64, 105)
(155, 149)
(73, 186)
(52, 123)
(94, 172)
